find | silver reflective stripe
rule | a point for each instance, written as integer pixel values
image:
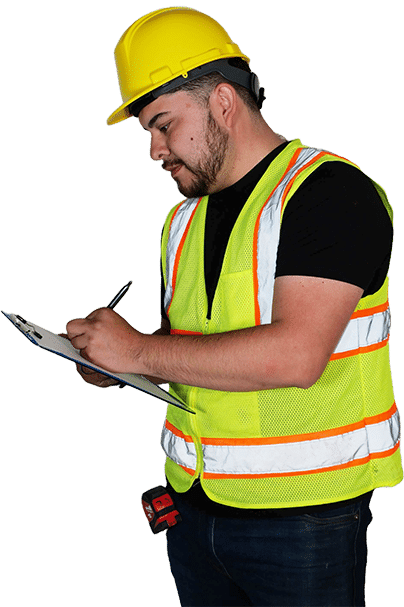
(268, 237)
(305, 456)
(364, 332)
(181, 451)
(177, 230)
(289, 455)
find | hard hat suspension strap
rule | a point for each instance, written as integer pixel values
(248, 80)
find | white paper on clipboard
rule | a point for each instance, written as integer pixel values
(62, 346)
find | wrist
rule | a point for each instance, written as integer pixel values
(143, 354)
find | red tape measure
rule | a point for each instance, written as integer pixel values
(159, 508)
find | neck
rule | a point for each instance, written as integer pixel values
(250, 143)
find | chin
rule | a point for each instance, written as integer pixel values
(192, 190)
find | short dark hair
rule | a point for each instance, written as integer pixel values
(202, 87)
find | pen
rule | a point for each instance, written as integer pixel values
(112, 305)
(119, 295)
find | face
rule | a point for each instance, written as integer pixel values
(187, 138)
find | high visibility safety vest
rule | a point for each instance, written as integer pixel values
(284, 447)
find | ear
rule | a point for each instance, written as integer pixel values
(223, 104)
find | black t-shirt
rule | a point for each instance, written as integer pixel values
(335, 226)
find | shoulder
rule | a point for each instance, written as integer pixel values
(338, 188)
(336, 226)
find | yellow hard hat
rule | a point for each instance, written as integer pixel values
(167, 48)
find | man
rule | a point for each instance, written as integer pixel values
(275, 327)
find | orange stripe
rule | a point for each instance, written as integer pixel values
(189, 470)
(178, 433)
(255, 238)
(292, 162)
(357, 462)
(174, 214)
(255, 273)
(297, 438)
(292, 181)
(179, 251)
(371, 311)
(381, 417)
(362, 350)
(294, 438)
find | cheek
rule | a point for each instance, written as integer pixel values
(186, 147)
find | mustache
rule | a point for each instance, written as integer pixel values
(168, 164)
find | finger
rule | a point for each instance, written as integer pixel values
(107, 382)
(95, 378)
(86, 371)
(76, 327)
(80, 342)
(89, 375)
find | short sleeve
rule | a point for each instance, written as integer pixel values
(336, 226)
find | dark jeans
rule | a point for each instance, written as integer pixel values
(308, 560)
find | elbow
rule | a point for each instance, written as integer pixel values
(303, 371)
(306, 382)
(298, 364)
(291, 375)
(308, 373)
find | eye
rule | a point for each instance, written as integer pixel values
(164, 128)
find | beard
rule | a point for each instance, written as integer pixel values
(205, 171)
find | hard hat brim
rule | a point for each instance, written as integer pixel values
(121, 113)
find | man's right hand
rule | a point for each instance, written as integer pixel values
(104, 381)
(93, 377)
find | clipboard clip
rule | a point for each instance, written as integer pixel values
(28, 329)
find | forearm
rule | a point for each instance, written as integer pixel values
(154, 379)
(309, 317)
(259, 358)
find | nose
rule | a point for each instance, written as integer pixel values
(158, 147)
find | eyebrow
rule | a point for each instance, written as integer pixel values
(153, 121)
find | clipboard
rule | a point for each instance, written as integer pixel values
(62, 347)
